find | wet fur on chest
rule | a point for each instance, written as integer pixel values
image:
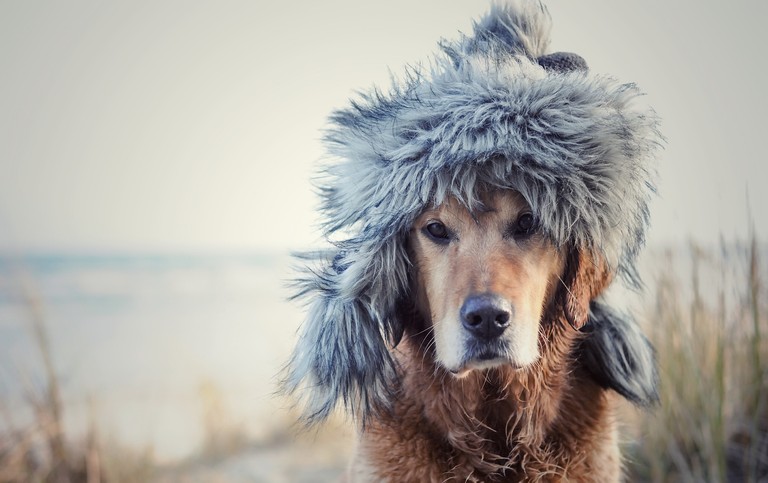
(550, 422)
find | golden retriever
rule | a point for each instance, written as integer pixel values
(492, 389)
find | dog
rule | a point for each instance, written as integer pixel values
(492, 386)
(478, 213)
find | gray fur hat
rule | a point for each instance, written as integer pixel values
(493, 110)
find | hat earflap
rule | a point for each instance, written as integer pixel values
(619, 356)
(343, 351)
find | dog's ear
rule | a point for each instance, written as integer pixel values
(343, 351)
(584, 278)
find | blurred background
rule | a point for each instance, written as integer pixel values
(155, 167)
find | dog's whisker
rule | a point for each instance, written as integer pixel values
(424, 331)
(565, 286)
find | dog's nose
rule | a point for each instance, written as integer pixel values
(486, 315)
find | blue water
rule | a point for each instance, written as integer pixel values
(135, 337)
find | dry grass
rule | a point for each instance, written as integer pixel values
(39, 450)
(710, 336)
(222, 435)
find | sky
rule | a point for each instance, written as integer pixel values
(181, 125)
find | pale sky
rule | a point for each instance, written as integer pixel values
(144, 125)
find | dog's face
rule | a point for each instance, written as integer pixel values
(484, 280)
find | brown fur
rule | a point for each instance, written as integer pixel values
(543, 421)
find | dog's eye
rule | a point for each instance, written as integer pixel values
(525, 226)
(438, 232)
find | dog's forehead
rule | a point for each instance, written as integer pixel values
(505, 202)
(496, 203)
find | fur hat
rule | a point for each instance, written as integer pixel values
(493, 110)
